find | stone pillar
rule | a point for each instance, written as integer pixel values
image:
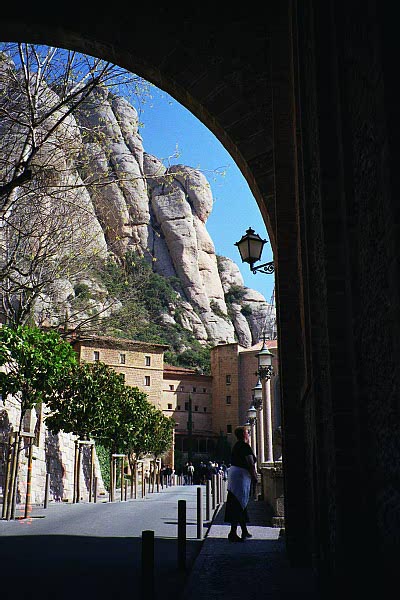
(268, 420)
(273, 493)
(260, 436)
(253, 436)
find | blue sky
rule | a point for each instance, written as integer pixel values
(169, 127)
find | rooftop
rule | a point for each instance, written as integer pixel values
(105, 341)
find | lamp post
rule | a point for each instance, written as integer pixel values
(250, 247)
(265, 372)
(258, 405)
(251, 419)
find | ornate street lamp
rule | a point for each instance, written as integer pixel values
(250, 247)
(257, 395)
(251, 414)
(265, 370)
(258, 405)
(251, 420)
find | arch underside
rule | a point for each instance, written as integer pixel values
(303, 98)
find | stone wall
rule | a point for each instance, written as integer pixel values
(142, 364)
(225, 371)
(53, 454)
(178, 385)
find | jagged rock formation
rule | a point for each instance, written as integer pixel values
(157, 211)
(163, 212)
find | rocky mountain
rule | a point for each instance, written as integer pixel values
(155, 211)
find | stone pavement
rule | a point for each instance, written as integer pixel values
(76, 550)
(256, 569)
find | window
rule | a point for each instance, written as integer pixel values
(178, 407)
(229, 399)
(229, 429)
(169, 406)
(147, 380)
(96, 355)
(205, 408)
(171, 387)
(147, 361)
(204, 390)
(122, 359)
(186, 405)
(228, 380)
(194, 389)
(196, 408)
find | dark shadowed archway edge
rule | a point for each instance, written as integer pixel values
(303, 97)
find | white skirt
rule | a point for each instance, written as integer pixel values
(239, 482)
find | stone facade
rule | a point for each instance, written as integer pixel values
(225, 370)
(182, 386)
(141, 363)
(233, 368)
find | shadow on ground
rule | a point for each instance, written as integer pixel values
(53, 567)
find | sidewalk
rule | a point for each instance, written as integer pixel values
(257, 568)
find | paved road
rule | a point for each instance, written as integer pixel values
(93, 551)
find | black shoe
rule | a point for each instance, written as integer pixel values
(233, 537)
(246, 534)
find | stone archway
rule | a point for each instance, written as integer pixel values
(303, 98)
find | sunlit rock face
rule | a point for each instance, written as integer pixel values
(132, 201)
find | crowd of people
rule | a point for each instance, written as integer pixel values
(194, 474)
(202, 472)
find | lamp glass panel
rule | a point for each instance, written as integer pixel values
(255, 248)
(243, 247)
(251, 413)
(265, 359)
(257, 393)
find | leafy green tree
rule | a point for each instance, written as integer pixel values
(94, 402)
(129, 428)
(161, 428)
(34, 362)
(88, 402)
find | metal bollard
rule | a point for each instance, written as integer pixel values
(208, 500)
(199, 514)
(148, 564)
(182, 535)
(46, 491)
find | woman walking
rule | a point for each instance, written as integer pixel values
(241, 474)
